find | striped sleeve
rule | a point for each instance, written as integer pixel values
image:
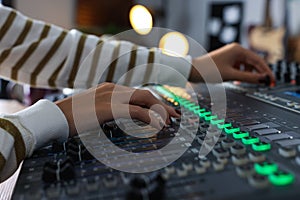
(12, 148)
(23, 132)
(45, 55)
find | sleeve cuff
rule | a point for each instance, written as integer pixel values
(177, 71)
(44, 122)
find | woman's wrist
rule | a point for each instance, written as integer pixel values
(66, 107)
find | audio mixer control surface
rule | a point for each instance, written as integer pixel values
(254, 150)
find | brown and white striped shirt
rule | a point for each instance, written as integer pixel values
(44, 55)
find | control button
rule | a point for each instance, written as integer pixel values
(210, 117)
(73, 144)
(192, 106)
(250, 140)
(227, 143)
(265, 168)
(86, 155)
(245, 170)
(266, 80)
(278, 137)
(297, 106)
(57, 171)
(217, 121)
(256, 93)
(53, 192)
(191, 129)
(78, 153)
(196, 108)
(256, 127)
(74, 155)
(218, 145)
(267, 131)
(298, 75)
(185, 123)
(204, 127)
(203, 114)
(273, 98)
(187, 166)
(297, 159)
(170, 170)
(193, 118)
(165, 176)
(290, 103)
(72, 188)
(222, 126)
(109, 128)
(58, 147)
(200, 110)
(268, 96)
(223, 160)
(237, 149)
(220, 152)
(202, 122)
(291, 142)
(49, 172)
(218, 166)
(239, 160)
(220, 138)
(200, 139)
(240, 134)
(176, 121)
(205, 162)
(260, 94)
(211, 132)
(66, 170)
(258, 181)
(256, 156)
(110, 181)
(181, 172)
(261, 146)
(92, 184)
(138, 182)
(230, 130)
(287, 75)
(208, 142)
(200, 169)
(150, 187)
(287, 152)
(281, 178)
(279, 70)
(248, 122)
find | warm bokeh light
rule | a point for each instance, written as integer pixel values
(174, 44)
(140, 19)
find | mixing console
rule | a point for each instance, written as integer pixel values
(255, 150)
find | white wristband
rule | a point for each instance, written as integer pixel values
(44, 121)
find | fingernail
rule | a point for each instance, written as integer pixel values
(273, 84)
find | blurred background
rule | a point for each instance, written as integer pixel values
(268, 27)
(208, 21)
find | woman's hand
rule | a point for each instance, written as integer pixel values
(228, 60)
(114, 101)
